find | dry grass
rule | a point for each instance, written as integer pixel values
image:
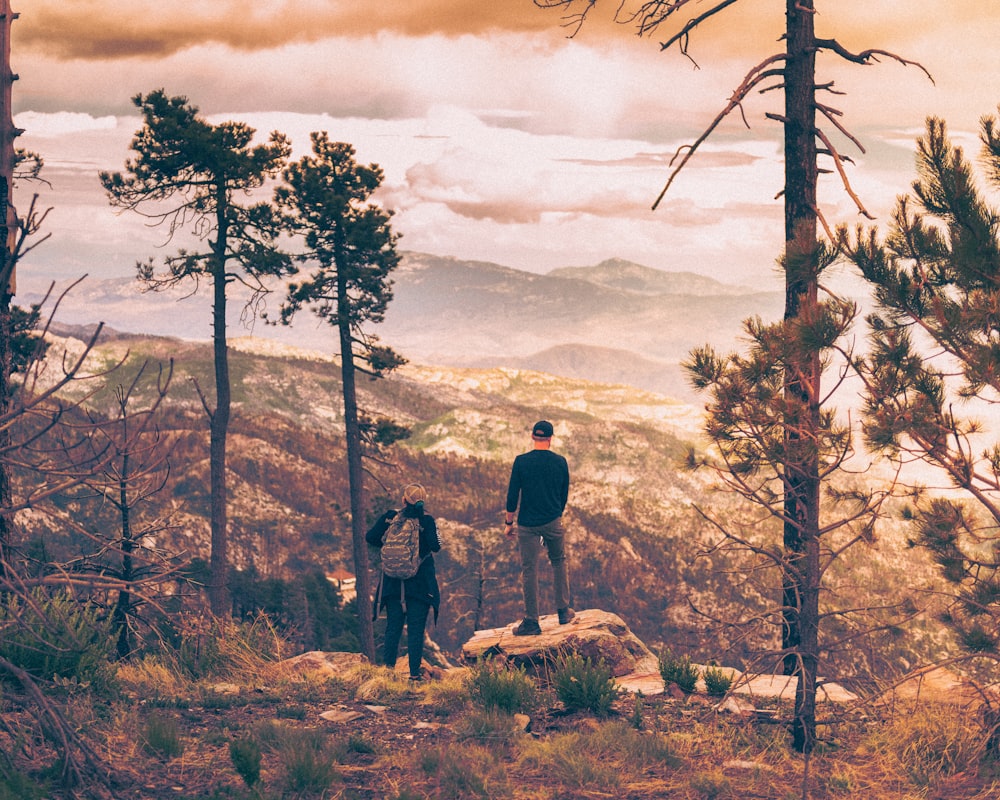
(408, 742)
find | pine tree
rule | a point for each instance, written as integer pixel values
(189, 173)
(350, 251)
(934, 363)
(801, 421)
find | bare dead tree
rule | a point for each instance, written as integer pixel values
(802, 419)
(123, 548)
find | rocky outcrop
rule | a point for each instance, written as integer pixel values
(941, 685)
(317, 663)
(593, 634)
(599, 634)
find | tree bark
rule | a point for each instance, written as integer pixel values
(355, 475)
(7, 228)
(123, 608)
(355, 468)
(218, 590)
(801, 502)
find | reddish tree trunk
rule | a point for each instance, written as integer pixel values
(800, 638)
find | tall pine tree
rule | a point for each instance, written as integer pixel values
(350, 251)
(188, 174)
(933, 369)
(800, 422)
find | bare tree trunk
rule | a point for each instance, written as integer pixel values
(355, 475)
(218, 590)
(801, 504)
(123, 608)
(7, 226)
(355, 471)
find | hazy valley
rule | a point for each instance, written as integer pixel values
(643, 544)
(616, 322)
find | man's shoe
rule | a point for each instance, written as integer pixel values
(528, 627)
(565, 615)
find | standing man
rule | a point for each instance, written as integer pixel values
(538, 491)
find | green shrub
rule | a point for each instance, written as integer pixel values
(583, 685)
(296, 712)
(487, 726)
(201, 648)
(636, 719)
(500, 687)
(717, 681)
(465, 771)
(679, 670)
(601, 758)
(308, 759)
(57, 636)
(17, 786)
(246, 757)
(161, 736)
(710, 785)
(568, 760)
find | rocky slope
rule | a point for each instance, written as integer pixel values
(646, 537)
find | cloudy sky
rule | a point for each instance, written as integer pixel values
(502, 139)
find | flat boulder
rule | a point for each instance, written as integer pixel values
(593, 634)
(941, 686)
(317, 663)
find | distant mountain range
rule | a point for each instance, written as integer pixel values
(616, 322)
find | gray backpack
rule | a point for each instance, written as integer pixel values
(401, 548)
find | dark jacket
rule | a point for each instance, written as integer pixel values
(423, 586)
(538, 488)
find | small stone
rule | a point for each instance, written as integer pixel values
(341, 716)
(737, 707)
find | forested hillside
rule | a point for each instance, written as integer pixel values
(639, 545)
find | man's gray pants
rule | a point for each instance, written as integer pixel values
(531, 540)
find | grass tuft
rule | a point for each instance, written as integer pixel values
(496, 686)
(679, 670)
(161, 736)
(584, 685)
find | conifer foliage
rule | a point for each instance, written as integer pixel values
(349, 253)
(934, 362)
(190, 175)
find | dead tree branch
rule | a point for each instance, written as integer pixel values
(754, 78)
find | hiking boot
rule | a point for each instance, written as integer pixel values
(528, 627)
(565, 615)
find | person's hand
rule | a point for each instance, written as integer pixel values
(508, 528)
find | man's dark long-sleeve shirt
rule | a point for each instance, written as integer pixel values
(541, 479)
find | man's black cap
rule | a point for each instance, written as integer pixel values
(542, 430)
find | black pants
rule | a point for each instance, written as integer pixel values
(415, 616)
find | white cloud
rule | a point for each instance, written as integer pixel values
(61, 123)
(532, 149)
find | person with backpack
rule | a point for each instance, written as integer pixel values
(538, 491)
(403, 542)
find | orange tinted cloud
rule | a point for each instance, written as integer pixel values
(95, 29)
(92, 29)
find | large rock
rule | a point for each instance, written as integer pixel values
(599, 634)
(317, 663)
(593, 634)
(941, 685)
(783, 687)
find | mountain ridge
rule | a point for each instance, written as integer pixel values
(454, 312)
(618, 273)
